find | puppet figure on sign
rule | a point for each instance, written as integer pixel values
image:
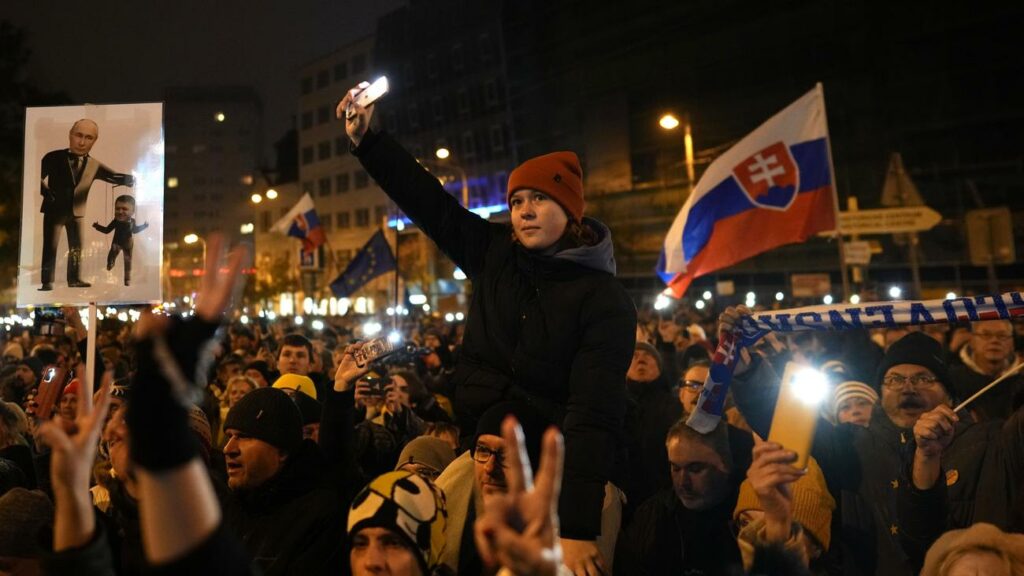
(123, 226)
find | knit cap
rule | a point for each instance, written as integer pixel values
(199, 424)
(812, 503)
(428, 451)
(981, 536)
(73, 387)
(408, 505)
(309, 408)
(558, 175)
(267, 414)
(34, 364)
(852, 389)
(24, 514)
(650, 350)
(920, 349)
(297, 383)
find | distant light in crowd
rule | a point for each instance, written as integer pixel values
(895, 292)
(123, 316)
(706, 295)
(317, 324)
(394, 337)
(186, 299)
(246, 180)
(827, 299)
(779, 296)
(220, 117)
(442, 153)
(271, 315)
(247, 228)
(950, 295)
(810, 386)
(417, 299)
(662, 302)
(855, 299)
(271, 194)
(668, 122)
(426, 307)
(299, 320)
(449, 317)
(244, 319)
(371, 328)
(400, 225)
(751, 296)
(459, 274)
(191, 239)
(459, 316)
(256, 198)
(390, 311)
(700, 304)
(172, 182)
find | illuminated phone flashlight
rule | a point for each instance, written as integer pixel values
(809, 386)
(394, 337)
(802, 391)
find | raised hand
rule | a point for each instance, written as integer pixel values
(357, 118)
(519, 529)
(934, 430)
(348, 372)
(770, 475)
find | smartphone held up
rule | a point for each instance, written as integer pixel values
(368, 95)
(797, 410)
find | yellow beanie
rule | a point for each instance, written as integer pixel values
(298, 383)
(812, 503)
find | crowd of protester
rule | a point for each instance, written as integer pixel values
(546, 436)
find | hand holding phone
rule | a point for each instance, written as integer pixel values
(367, 96)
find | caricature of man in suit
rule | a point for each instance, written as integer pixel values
(67, 176)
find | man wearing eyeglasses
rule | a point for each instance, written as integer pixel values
(986, 356)
(479, 474)
(918, 470)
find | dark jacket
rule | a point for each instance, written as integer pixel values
(998, 403)
(556, 331)
(653, 409)
(867, 470)
(295, 522)
(666, 538)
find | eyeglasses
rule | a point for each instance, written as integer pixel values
(993, 335)
(917, 380)
(691, 384)
(483, 455)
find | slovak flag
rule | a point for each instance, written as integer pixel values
(301, 222)
(774, 187)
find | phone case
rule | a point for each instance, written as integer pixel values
(373, 350)
(794, 421)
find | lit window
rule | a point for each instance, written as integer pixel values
(172, 182)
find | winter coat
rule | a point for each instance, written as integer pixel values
(556, 331)
(653, 410)
(867, 470)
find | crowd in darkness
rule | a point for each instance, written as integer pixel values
(544, 435)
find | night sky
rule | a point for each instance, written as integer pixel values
(106, 51)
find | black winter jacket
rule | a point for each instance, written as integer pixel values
(557, 331)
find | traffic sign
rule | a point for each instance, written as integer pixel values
(889, 220)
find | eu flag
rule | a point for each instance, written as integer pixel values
(374, 258)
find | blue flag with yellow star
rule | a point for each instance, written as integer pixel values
(374, 258)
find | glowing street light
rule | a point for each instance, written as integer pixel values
(256, 198)
(442, 153)
(895, 292)
(271, 194)
(670, 122)
(827, 299)
(219, 117)
(855, 299)
(706, 295)
(779, 296)
(950, 295)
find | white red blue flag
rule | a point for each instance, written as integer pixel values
(302, 222)
(774, 187)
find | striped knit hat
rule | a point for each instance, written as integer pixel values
(852, 389)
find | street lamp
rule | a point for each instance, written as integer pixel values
(443, 153)
(192, 238)
(670, 122)
(256, 198)
(271, 194)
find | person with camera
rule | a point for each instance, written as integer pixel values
(548, 324)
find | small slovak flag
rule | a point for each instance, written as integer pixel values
(302, 222)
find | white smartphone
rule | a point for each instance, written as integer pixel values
(370, 94)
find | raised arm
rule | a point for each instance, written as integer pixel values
(117, 178)
(140, 227)
(105, 229)
(460, 234)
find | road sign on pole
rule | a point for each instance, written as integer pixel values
(889, 220)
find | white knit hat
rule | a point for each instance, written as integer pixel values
(852, 389)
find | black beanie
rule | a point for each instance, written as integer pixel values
(530, 419)
(267, 414)
(919, 349)
(308, 407)
(34, 364)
